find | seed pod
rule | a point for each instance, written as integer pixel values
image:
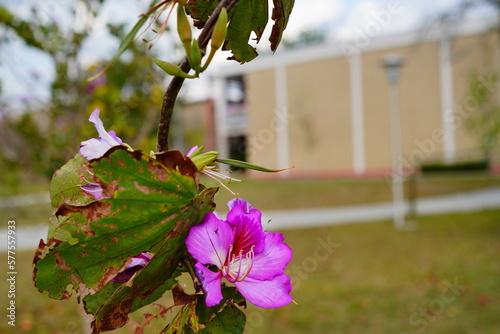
(183, 26)
(172, 69)
(196, 56)
(220, 30)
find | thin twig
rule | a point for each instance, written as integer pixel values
(175, 85)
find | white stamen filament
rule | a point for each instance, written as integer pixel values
(239, 276)
(84, 179)
(209, 170)
(216, 175)
(89, 183)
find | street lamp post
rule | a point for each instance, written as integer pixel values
(392, 64)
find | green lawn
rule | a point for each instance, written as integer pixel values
(290, 194)
(442, 278)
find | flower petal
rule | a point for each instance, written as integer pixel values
(136, 264)
(115, 137)
(96, 147)
(211, 283)
(239, 201)
(110, 139)
(140, 260)
(248, 232)
(267, 294)
(192, 150)
(93, 148)
(209, 242)
(94, 190)
(272, 261)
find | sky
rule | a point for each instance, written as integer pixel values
(338, 19)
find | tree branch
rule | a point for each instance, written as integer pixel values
(175, 85)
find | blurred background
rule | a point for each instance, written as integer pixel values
(377, 104)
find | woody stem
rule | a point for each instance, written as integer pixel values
(175, 85)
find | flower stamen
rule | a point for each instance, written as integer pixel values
(217, 176)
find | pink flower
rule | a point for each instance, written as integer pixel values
(243, 254)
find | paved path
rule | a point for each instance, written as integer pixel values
(24, 200)
(488, 198)
(28, 236)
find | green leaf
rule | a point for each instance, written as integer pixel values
(243, 164)
(230, 320)
(222, 318)
(181, 322)
(200, 10)
(92, 303)
(66, 183)
(65, 187)
(247, 16)
(280, 15)
(149, 202)
(156, 277)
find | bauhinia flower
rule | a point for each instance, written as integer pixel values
(135, 265)
(96, 147)
(244, 254)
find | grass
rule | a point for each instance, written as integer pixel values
(290, 194)
(379, 280)
(442, 278)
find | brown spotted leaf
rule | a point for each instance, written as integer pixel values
(245, 18)
(280, 15)
(248, 16)
(65, 186)
(147, 205)
(156, 276)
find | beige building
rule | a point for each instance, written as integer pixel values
(326, 109)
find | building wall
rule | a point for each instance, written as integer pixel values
(320, 131)
(261, 143)
(319, 107)
(479, 55)
(419, 100)
(196, 125)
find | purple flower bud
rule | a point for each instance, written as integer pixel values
(192, 150)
